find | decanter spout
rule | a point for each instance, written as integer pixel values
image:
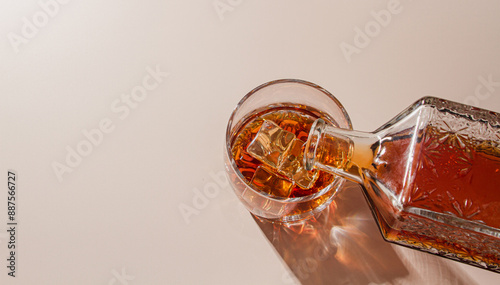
(340, 151)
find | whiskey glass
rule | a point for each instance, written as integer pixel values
(286, 93)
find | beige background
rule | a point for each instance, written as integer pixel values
(114, 216)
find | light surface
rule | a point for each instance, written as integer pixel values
(148, 203)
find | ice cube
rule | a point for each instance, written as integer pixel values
(270, 144)
(297, 123)
(305, 179)
(292, 166)
(290, 163)
(267, 181)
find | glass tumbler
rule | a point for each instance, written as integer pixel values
(284, 97)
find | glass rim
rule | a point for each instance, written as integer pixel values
(228, 138)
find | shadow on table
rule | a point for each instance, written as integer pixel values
(343, 245)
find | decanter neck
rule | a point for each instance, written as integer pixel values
(340, 151)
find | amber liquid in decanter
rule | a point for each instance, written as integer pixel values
(453, 176)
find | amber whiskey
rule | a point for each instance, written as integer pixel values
(268, 177)
(457, 177)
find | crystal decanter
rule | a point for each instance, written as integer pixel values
(431, 176)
